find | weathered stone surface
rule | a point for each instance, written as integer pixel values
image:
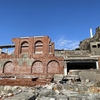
(45, 92)
(56, 91)
(84, 75)
(61, 97)
(74, 98)
(50, 86)
(97, 77)
(58, 77)
(7, 88)
(85, 44)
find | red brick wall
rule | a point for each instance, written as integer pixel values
(45, 63)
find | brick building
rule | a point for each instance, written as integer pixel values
(32, 55)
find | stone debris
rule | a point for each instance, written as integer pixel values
(58, 77)
(87, 75)
(85, 89)
(52, 91)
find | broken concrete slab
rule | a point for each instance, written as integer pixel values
(84, 75)
(58, 77)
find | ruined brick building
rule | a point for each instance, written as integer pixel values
(37, 56)
(32, 55)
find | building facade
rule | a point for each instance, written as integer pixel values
(37, 55)
(32, 55)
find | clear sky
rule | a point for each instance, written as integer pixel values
(66, 22)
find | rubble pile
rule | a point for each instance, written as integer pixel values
(53, 91)
(86, 89)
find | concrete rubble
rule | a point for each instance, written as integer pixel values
(86, 89)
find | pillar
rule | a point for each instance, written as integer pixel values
(97, 65)
(0, 50)
(65, 68)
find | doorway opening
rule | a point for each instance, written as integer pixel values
(81, 65)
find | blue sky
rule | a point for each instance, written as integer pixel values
(66, 22)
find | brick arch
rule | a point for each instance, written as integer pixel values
(37, 67)
(8, 67)
(24, 47)
(38, 48)
(53, 67)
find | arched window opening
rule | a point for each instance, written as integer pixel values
(53, 67)
(38, 47)
(8, 67)
(37, 67)
(24, 47)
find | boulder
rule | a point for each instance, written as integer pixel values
(45, 92)
(58, 77)
(90, 75)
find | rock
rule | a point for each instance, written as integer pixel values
(59, 87)
(85, 44)
(9, 91)
(45, 86)
(10, 94)
(66, 92)
(6, 88)
(94, 89)
(50, 86)
(58, 77)
(17, 91)
(45, 92)
(75, 88)
(87, 80)
(56, 91)
(22, 88)
(52, 98)
(31, 91)
(3, 92)
(1, 88)
(14, 87)
(97, 77)
(75, 98)
(21, 96)
(61, 97)
(92, 97)
(84, 75)
(43, 98)
(82, 89)
(32, 98)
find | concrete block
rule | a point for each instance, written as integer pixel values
(87, 75)
(58, 77)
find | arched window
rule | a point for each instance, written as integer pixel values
(8, 67)
(37, 67)
(24, 47)
(53, 67)
(38, 47)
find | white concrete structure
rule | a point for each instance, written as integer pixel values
(91, 35)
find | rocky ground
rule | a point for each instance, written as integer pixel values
(86, 89)
(53, 91)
